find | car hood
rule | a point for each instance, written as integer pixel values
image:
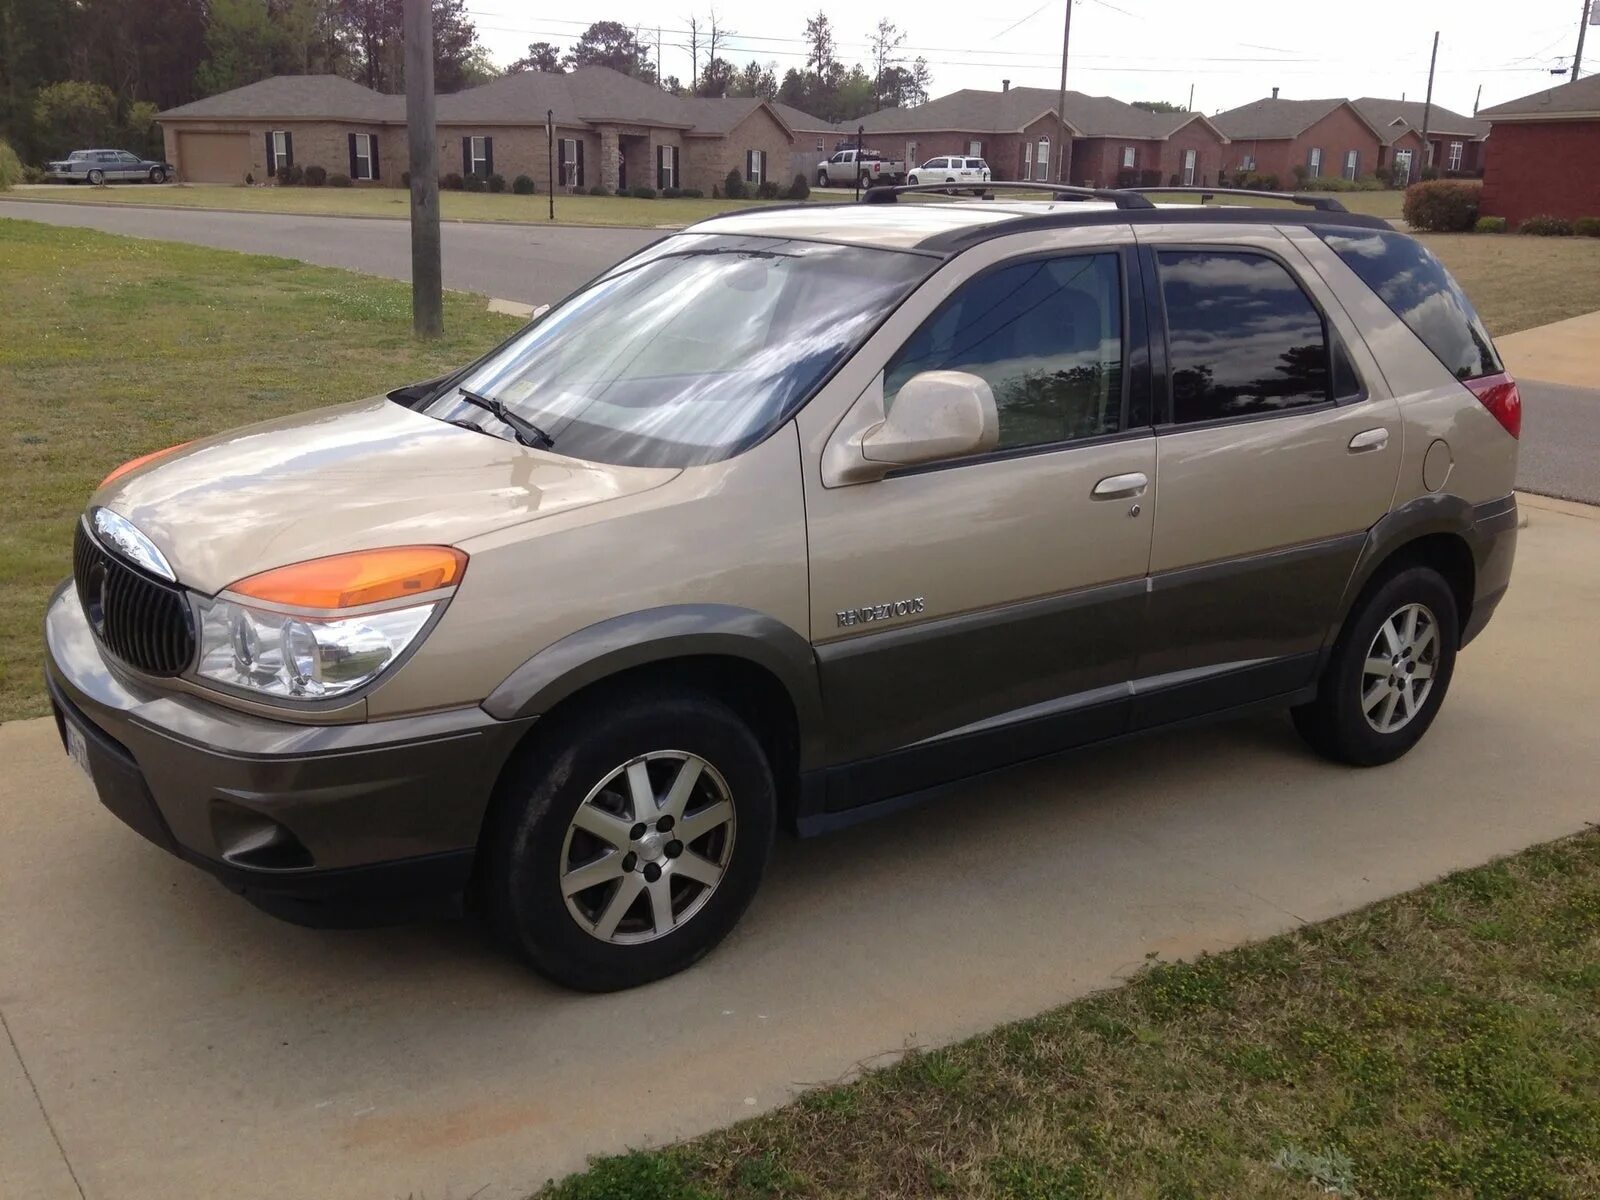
(353, 477)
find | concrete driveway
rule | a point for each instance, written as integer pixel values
(164, 1039)
(528, 263)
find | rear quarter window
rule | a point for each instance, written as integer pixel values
(1416, 287)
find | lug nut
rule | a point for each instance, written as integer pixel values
(674, 848)
(630, 860)
(637, 832)
(665, 823)
(652, 872)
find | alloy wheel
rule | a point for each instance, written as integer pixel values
(647, 847)
(1400, 667)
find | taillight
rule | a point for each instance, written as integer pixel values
(1498, 393)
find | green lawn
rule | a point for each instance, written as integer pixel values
(395, 202)
(1517, 282)
(1445, 1043)
(116, 346)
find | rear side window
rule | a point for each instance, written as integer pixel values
(1242, 337)
(1045, 334)
(1412, 282)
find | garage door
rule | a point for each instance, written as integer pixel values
(213, 157)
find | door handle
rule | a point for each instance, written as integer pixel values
(1120, 487)
(1370, 439)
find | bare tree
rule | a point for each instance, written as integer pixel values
(694, 51)
(819, 32)
(885, 40)
(717, 36)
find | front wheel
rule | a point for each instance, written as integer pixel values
(97, 177)
(911, 179)
(629, 838)
(1388, 673)
(157, 175)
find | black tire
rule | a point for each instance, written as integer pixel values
(822, 179)
(157, 175)
(541, 791)
(97, 177)
(1335, 723)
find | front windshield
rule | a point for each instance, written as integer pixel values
(690, 351)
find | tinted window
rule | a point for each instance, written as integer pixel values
(691, 350)
(1413, 283)
(1242, 336)
(1046, 335)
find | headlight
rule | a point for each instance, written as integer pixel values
(294, 642)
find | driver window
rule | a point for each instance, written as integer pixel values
(1045, 334)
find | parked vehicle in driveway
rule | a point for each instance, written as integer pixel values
(868, 167)
(106, 166)
(785, 521)
(952, 168)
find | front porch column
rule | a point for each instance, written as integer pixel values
(609, 147)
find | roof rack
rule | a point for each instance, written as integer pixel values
(1121, 197)
(1321, 203)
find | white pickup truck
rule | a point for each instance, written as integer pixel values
(872, 168)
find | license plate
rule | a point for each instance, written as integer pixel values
(78, 748)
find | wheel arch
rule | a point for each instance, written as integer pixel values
(1434, 531)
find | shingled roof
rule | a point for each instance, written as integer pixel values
(1382, 114)
(1269, 119)
(977, 111)
(296, 97)
(1570, 101)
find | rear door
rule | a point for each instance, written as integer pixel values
(1277, 448)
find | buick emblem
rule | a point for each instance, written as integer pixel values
(121, 535)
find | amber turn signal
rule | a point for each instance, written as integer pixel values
(133, 463)
(364, 577)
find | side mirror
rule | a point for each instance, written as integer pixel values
(937, 415)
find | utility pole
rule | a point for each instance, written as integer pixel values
(1191, 99)
(1427, 105)
(1061, 96)
(550, 155)
(427, 290)
(1583, 23)
(1477, 100)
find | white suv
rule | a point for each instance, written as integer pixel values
(951, 169)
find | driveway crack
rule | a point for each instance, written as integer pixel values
(37, 1099)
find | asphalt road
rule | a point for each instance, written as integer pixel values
(164, 1039)
(1560, 453)
(529, 263)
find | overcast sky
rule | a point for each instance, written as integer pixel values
(1231, 51)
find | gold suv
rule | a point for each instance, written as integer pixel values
(788, 519)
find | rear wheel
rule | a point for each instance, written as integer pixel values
(628, 839)
(97, 177)
(1388, 673)
(822, 179)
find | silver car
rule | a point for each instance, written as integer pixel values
(103, 166)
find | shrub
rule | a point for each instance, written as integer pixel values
(1442, 205)
(1127, 177)
(249, 179)
(733, 186)
(1429, 174)
(1267, 183)
(475, 182)
(1587, 227)
(598, 190)
(1301, 174)
(405, 179)
(497, 182)
(10, 167)
(1546, 226)
(338, 179)
(694, 193)
(523, 185)
(715, 195)
(316, 176)
(1173, 180)
(671, 193)
(451, 182)
(767, 189)
(800, 188)
(642, 192)
(1490, 225)
(292, 175)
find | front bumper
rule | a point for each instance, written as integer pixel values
(274, 808)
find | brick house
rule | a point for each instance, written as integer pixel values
(1544, 155)
(1456, 143)
(1329, 138)
(608, 129)
(1017, 131)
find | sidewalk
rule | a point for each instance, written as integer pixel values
(1566, 352)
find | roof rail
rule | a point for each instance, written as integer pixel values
(1122, 198)
(1321, 203)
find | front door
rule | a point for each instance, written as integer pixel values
(1274, 460)
(986, 609)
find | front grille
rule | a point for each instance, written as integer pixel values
(145, 623)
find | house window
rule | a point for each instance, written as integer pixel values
(1188, 167)
(361, 156)
(281, 153)
(569, 170)
(1453, 163)
(819, 146)
(755, 166)
(477, 149)
(1247, 163)
(975, 148)
(1314, 163)
(1130, 156)
(911, 155)
(1352, 164)
(1041, 159)
(1027, 160)
(666, 166)
(1402, 164)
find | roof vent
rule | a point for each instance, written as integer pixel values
(1005, 85)
(1274, 93)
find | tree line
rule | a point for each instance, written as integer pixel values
(82, 73)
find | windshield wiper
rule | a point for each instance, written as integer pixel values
(525, 430)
